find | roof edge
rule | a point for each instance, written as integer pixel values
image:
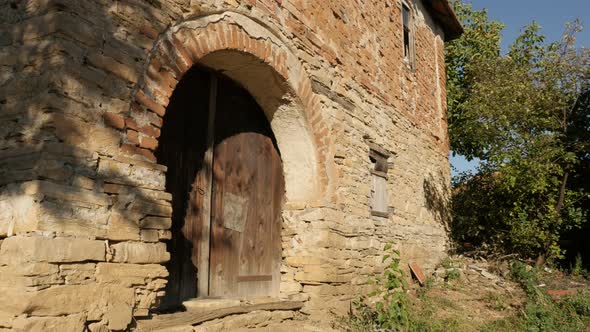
(443, 13)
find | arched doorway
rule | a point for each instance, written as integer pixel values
(225, 175)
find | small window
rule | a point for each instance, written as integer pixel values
(379, 197)
(408, 34)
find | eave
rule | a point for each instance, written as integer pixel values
(443, 14)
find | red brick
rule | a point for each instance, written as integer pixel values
(136, 151)
(166, 54)
(150, 131)
(203, 45)
(159, 88)
(212, 38)
(155, 65)
(149, 31)
(559, 293)
(157, 121)
(221, 34)
(193, 46)
(182, 54)
(150, 104)
(149, 143)
(131, 124)
(258, 48)
(132, 136)
(250, 44)
(114, 120)
(417, 272)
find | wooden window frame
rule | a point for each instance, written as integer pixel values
(379, 158)
(409, 50)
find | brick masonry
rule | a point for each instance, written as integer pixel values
(83, 89)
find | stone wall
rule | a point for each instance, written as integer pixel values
(83, 89)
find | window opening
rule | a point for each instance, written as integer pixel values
(408, 36)
(379, 196)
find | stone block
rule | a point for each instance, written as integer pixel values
(6, 320)
(164, 235)
(18, 214)
(121, 228)
(29, 275)
(72, 219)
(118, 316)
(150, 235)
(290, 287)
(128, 73)
(30, 269)
(74, 132)
(156, 222)
(78, 273)
(43, 324)
(321, 274)
(15, 300)
(71, 299)
(251, 319)
(150, 178)
(141, 253)
(299, 261)
(161, 209)
(129, 274)
(83, 182)
(281, 315)
(66, 193)
(98, 327)
(21, 249)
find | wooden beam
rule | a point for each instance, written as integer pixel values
(204, 245)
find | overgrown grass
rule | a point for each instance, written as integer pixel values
(541, 312)
(395, 310)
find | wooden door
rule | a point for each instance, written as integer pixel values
(247, 194)
(225, 177)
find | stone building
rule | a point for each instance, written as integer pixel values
(155, 151)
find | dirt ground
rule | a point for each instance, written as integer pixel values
(474, 292)
(470, 291)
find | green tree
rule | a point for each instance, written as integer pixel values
(479, 42)
(518, 114)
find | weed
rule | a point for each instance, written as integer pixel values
(540, 312)
(390, 312)
(447, 263)
(580, 303)
(426, 287)
(453, 274)
(496, 301)
(578, 268)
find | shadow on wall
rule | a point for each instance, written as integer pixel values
(56, 89)
(65, 95)
(437, 200)
(65, 92)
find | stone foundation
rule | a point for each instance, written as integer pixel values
(84, 85)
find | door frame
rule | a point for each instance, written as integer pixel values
(204, 244)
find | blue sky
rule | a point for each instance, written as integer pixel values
(515, 14)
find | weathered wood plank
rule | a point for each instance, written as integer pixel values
(255, 278)
(248, 190)
(205, 229)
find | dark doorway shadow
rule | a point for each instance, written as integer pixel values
(182, 146)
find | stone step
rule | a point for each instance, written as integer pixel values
(202, 310)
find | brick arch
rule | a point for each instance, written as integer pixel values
(191, 42)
